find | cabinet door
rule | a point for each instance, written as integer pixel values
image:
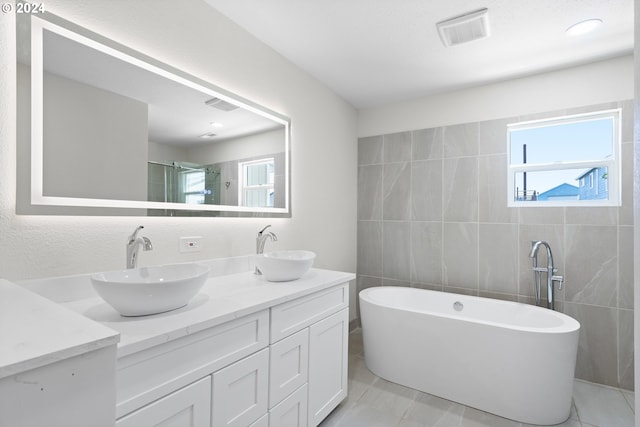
(289, 362)
(187, 407)
(292, 411)
(328, 340)
(240, 391)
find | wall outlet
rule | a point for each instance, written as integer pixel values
(191, 244)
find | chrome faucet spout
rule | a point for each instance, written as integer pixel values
(261, 239)
(132, 237)
(534, 249)
(134, 243)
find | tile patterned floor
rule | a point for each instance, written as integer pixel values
(375, 402)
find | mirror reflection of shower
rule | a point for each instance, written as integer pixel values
(256, 181)
(183, 182)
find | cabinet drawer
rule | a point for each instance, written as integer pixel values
(288, 366)
(150, 374)
(240, 391)
(190, 406)
(291, 412)
(292, 316)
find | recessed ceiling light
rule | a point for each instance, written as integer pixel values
(583, 27)
(207, 135)
(216, 124)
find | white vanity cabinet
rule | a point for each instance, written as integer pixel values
(232, 358)
(289, 366)
(234, 396)
(57, 368)
(317, 324)
(244, 353)
(240, 391)
(282, 367)
(262, 422)
(292, 411)
(328, 352)
(187, 407)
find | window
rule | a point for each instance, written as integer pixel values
(257, 183)
(193, 186)
(565, 161)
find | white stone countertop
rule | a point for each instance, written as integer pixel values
(221, 299)
(35, 331)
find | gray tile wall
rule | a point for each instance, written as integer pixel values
(432, 213)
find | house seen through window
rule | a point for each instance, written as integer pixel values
(565, 161)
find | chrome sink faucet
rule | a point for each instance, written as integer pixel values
(550, 270)
(261, 239)
(133, 246)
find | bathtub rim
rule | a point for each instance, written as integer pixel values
(569, 324)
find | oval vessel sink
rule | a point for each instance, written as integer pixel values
(150, 290)
(283, 266)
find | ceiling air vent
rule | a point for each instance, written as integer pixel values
(221, 105)
(464, 28)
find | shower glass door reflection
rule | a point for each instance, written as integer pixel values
(180, 182)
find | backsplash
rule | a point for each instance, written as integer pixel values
(432, 213)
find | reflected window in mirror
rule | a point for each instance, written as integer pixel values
(193, 186)
(258, 180)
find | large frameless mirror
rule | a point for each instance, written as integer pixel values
(112, 131)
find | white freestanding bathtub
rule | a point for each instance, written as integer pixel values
(513, 360)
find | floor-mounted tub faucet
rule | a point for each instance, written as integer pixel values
(261, 239)
(550, 270)
(133, 246)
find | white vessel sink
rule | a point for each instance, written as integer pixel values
(150, 290)
(283, 266)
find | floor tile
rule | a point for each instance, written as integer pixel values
(355, 343)
(571, 422)
(630, 397)
(475, 418)
(361, 415)
(428, 410)
(388, 397)
(360, 378)
(602, 406)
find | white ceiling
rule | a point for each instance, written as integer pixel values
(376, 52)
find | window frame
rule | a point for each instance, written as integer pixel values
(612, 163)
(201, 192)
(242, 187)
